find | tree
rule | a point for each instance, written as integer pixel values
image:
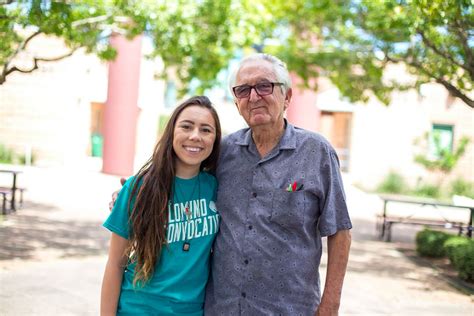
(196, 38)
(80, 25)
(353, 41)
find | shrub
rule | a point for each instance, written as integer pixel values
(429, 243)
(463, 260)
(461, 187)
(393, 183)
(6, 154)
(460, 250)
(427, 190)
(452, 244)
(9, 156)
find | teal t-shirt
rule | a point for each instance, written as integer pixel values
(178, 284)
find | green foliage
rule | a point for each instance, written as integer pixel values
(73, 21)
(462, 187)
(429, 243)
(463, 260)
(9, 156)
(444, 159)
(195, 38)
(352, 43)
(393, 183)
(452, 243)
(6, 154)
(460, 250)
(427, 190)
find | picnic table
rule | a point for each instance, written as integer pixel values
(386, 220)
(10, 190)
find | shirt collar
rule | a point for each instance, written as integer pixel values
(288, 140)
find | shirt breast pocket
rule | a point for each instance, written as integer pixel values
(288, 208)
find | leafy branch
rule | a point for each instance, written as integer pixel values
(443, 159)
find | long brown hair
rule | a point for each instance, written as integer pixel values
(149, 216)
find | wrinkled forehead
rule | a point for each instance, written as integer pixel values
(255, 71)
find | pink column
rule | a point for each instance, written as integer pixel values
(121, 109)
(302, 111)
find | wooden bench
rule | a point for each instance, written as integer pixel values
(3, 195)
(4, 203)
(385, 221)
(384, 226)
(11, 191)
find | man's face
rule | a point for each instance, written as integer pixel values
(261, 110)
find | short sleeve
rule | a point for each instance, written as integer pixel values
(334, 212)
(118, 220)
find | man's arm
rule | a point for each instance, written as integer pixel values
(338, 255)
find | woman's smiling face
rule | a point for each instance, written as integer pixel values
(193, 138)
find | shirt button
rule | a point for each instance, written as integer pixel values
(244, 295)
(246, 261)
(254, 194)
(250, 227)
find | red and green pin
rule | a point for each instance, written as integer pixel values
(295, 186)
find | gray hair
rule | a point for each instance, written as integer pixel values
(279, 67)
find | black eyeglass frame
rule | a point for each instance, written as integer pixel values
(255, 88)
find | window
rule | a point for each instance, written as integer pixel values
(441, 139)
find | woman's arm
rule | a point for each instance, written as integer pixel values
(113, 275)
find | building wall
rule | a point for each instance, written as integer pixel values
(383, 137)
(49, 110)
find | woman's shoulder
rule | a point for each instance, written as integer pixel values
(129, 185)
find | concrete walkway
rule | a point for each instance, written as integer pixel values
(53, 253)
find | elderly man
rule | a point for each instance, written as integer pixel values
(280, 191)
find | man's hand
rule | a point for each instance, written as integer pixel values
(115, 194)
(327, 310)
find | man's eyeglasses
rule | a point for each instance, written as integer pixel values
(262, 89)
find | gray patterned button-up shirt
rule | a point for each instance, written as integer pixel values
(268, 250)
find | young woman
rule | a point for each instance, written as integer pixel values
(164, 221)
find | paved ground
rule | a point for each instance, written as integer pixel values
(53, 253)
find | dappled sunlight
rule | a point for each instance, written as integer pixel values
(29, 234)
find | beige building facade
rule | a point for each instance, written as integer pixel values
(374, 139)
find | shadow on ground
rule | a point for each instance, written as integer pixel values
(26, 232)
(370, 253)
(371, 256)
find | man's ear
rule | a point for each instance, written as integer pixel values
(288, 95)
